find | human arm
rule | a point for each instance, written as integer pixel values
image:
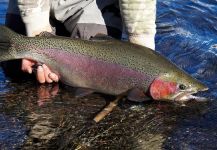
(139, 17)
(35, 15)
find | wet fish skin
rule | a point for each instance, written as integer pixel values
(107, 66)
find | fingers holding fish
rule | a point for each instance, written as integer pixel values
(53, 76)
(47, 71)
(27, 65)
(44, 74)
(40, 75)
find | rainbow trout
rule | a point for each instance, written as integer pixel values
(104, 65)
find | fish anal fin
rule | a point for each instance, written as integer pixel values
(81, 92)
(137, 95)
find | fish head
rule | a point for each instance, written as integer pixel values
(175, 86)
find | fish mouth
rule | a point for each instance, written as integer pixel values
(189, 95)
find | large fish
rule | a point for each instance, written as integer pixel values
(104, 65)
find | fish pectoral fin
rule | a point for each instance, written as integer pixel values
(137, 95)
(101, 37)
(81, 92)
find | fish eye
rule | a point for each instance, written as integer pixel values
(182, 87)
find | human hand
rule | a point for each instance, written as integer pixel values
(43, 73)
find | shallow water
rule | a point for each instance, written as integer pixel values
(39, 117)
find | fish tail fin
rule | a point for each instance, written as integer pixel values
(7, 38)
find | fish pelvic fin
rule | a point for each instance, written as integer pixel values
(7, 39)
(137, 95)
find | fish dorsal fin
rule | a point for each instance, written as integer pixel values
(137, 95)
(46, 34)
(101, 37)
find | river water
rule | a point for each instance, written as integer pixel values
(36, 116)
